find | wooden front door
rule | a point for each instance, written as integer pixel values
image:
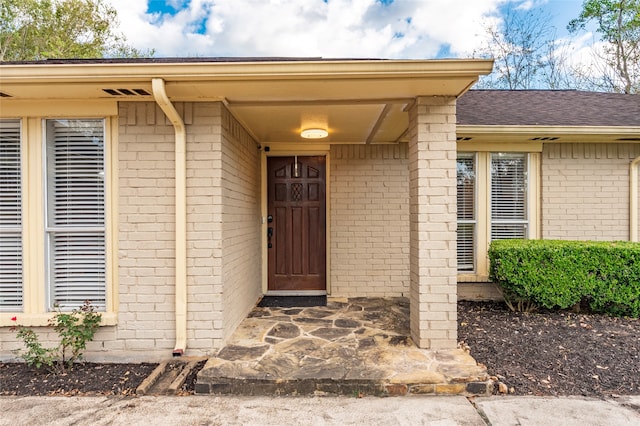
(296, 224)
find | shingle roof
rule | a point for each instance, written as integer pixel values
(547, 108)
(182, 60)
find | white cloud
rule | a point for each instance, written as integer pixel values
(307, 28)
(338, 28)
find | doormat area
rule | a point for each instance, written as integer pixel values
(292, 301)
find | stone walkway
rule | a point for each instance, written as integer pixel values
(360, 346)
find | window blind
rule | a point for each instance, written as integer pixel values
(508, 196)
(10, 217)
(75, 213)
(466, 182)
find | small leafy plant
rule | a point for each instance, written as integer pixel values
(74, 329)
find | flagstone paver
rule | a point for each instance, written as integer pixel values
(358, 346)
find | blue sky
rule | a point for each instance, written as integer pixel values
(417, 29)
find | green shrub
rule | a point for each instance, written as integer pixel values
(562, 274)
(74, 329)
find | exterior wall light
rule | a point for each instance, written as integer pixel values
(314, 133)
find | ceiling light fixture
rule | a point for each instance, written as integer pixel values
(314, 133)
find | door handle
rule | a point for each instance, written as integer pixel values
(269, 235)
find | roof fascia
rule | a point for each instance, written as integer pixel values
(280, 70)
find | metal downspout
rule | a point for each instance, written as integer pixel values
(160, 96)
(633, 200)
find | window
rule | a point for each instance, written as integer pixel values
(497, 199)
(466, 177)
(54, 245)
(75, 213)
(508, 196)
(11, 290)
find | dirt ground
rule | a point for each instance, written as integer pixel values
(544, 353)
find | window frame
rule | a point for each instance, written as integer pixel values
(35, 311)
(483, 155)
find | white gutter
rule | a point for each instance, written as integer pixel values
(633, 200)
(160, 95)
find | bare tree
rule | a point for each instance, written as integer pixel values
(523, 46)
(619, 26)
(557, 73)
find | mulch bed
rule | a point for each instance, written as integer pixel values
(544, 353)
(82, 379)
(553, 353)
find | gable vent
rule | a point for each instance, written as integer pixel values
(463, 138)
(5, 95)
(544, 138)
(127, 92)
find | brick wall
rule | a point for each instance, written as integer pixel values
(146, 322)
(145, 217)
(204, 228)
(369, 220)
(241, 229)
(223, 230)
(432, 192)
(146, 240)
(585, 191)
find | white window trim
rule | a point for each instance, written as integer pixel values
(35, 290)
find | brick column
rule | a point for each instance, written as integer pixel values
(432, 193)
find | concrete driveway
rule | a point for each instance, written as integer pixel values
(227, 410)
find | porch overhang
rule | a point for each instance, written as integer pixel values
(356, 101)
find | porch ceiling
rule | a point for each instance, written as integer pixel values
(357, 101)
